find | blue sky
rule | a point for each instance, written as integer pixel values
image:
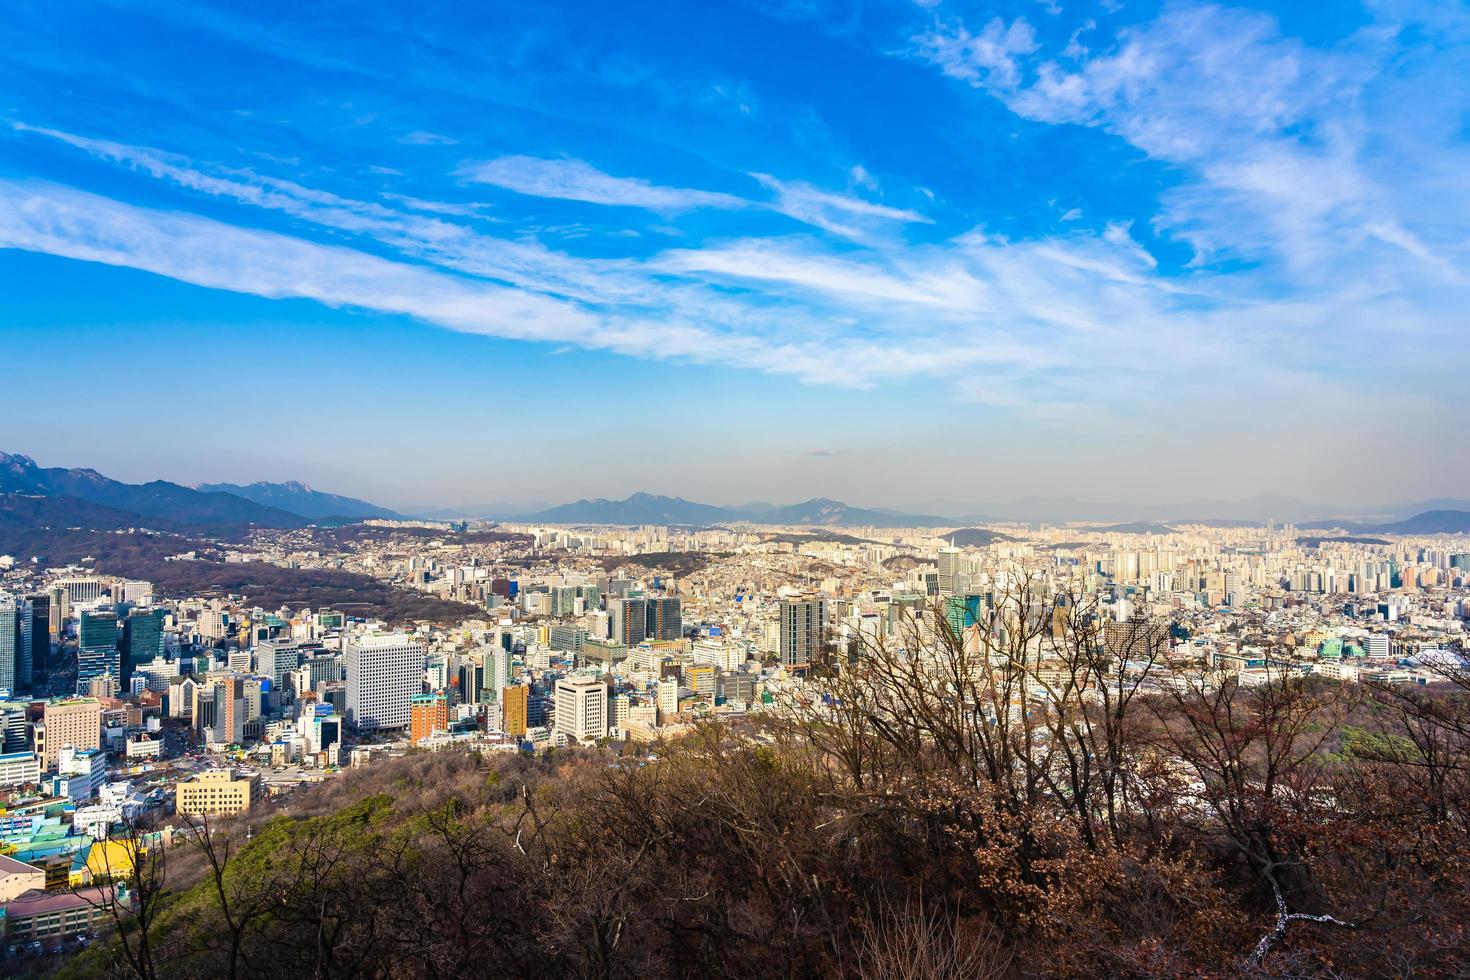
(895, 253)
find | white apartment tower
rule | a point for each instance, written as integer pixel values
(581, 708)
(383, 672)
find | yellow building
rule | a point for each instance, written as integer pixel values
(107, 860)
(218, 793)
(514, 702)
(702, 679)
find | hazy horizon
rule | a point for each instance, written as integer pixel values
(938, 507)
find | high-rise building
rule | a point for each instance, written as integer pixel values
(14, 716)
(142, 640)
(664, 619)
(1136, 638)
(950, 562)
(383, 672)
(79, 590)
(222, 706)
(471, 680)
(668, 700)
(962, 612)
(427, 714)
(737, 687)
(42, 610)
(628, 620)
(212, 624)
(514, 704)
(497, 668)
(76, 722)
(581, 708)
(563, 600)
(274, 658)
(97, 651)
(16, 624)
(803, 624)
(702, 679)
(568, 638)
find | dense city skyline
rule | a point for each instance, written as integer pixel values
(913, 253)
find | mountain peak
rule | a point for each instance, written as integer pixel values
(298, 498)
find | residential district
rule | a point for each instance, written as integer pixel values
(117, 701)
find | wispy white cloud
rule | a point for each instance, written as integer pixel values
(1274, 136)
(840, 214)
(987, 318)
(990, 57)
(576, 180)
(942, 313)
(436, 207)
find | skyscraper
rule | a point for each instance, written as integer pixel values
(950, 560)
(42, 611)
(803, 622)
(16, 624)
(629, 620)
(665, 621)
(273, 658)
(142, 640)
(97, 651)
(383, 672)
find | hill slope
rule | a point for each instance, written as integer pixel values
(297, 498)
(1429, 522)
(640, 508)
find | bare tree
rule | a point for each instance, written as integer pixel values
(133, 874)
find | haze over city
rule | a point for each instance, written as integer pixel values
(897, 254)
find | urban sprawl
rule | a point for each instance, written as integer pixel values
(119, 701)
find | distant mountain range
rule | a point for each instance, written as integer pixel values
(300, 499)
(1428, 522)
(58, 497)
(473, 512)
(158, 504)
(111, 504)
(648, 508)
(1221, 513)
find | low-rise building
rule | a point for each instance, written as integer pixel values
(19, 768)
(43, 915)
(17, 878)
(144, 746)
(219, 792)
